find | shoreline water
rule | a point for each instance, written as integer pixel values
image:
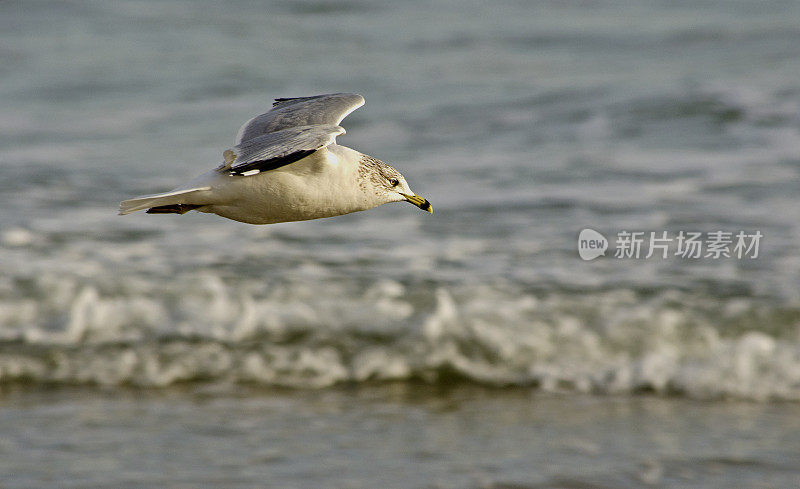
(400, 435)
(523, 123)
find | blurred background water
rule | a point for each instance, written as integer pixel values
(523, 123)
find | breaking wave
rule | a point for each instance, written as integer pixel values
(310, 336)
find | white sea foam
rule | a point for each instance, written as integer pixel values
(613, 341)
(16, 236)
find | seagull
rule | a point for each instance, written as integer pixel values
(285, 166)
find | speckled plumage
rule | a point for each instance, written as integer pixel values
(375, 171)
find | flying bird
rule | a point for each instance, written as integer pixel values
(286, 166)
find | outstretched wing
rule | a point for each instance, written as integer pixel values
(276, 149)
(286, 113)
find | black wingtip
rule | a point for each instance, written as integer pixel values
(281, 100)
(172, 209)
(270, 164)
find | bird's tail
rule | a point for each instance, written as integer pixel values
(174, 202)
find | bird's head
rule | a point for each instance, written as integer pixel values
(389, 185)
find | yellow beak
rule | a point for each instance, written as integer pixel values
(418, 201)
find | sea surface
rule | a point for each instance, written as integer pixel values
(392, 348)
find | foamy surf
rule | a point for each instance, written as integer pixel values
(613, 341)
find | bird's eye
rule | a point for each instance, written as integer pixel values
(394, 182)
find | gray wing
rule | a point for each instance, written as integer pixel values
(301, 111)
(277, 149)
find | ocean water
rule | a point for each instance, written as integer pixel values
(523, 123)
